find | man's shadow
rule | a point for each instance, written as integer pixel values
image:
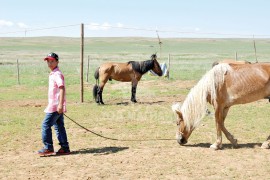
(99, 151)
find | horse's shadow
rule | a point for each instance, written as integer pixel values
(226, 146)
(99, 151)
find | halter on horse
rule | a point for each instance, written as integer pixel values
(131, 71)
(223, 86)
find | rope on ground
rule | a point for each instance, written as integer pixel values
(115, 139)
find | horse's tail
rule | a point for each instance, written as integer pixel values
(95, 91)
(95, 88)
(96, 75)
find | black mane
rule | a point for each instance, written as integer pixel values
(143, 66)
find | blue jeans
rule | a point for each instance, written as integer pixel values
(56, 120)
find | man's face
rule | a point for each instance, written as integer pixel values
(52, 64)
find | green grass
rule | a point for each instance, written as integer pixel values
(190, 59)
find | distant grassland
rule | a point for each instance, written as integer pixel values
(32, 47)
(190, 58)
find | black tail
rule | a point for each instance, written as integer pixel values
(95, 88)
(96, 75)
(95, 92)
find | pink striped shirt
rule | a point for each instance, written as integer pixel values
(56, 80)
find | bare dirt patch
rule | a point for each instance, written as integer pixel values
(94, 157)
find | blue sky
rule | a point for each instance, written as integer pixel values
(106, 18)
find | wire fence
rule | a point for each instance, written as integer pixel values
(177, 33)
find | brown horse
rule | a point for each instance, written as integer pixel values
(131, 71)
(223, 86)
(230, 61)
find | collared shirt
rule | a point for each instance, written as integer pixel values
(56, 80)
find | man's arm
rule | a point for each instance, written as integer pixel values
(61, 99)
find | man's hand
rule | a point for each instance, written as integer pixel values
(60, 109)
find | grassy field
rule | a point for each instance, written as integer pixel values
(139, 156)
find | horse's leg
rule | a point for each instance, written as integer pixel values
(219, 118)
(133, 90)
(225, 131)
(100, 90)
(266, 144)
(100, 101)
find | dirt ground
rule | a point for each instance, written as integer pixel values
(105, 159)
(93, 157)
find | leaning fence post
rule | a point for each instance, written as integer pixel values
(18, 72)
(255, 49)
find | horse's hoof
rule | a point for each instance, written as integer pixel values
(216, 147)
(235, 144)
(134, 101)
(265, 145)
(101, 103)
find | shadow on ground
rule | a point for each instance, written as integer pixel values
(226, 146)
(100, 151)
(148, 103)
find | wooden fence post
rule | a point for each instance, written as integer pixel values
(82, 53)
(255, 49)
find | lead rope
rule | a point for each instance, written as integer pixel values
(115, 139)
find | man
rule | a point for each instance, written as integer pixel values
(54, 110)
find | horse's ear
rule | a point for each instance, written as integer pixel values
(176, 109)
(154, 56)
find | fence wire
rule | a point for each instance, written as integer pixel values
(154, 30)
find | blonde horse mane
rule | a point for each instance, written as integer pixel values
(194, 106)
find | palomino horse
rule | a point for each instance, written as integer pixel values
(131, 71)
(230, 61)
(223, 86)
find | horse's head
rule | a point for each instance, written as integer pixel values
(156, 68)
(182, 133)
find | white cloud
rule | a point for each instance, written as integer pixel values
(191, 29)
(104, 26)
(120, 25)
(4, 23)
(93, 26)
(22, 25)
